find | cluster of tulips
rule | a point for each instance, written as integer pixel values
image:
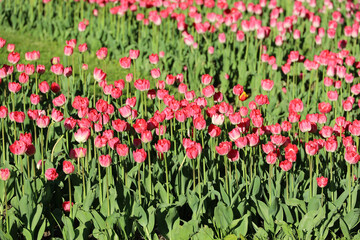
(226, 123)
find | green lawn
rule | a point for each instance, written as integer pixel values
(25, 42)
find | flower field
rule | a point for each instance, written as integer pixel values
(158, 119)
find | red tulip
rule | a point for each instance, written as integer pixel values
(105, 160)
(285, 165)
(322, 181)
(134, 54)
(125, 62)
(154, 58)
(206, 79)
(139, 155)
(3, 112)
(324, 107)
(296, 105)
(14, 87)
(66, 206)
(192, 152)
(51, 174)
(305, 126)
(57, 69)
(82, 135)
(163, 145)
(352, 157)
(142, 84)
(253, 139)
(42, 121)
(14, 57)
(267, 84)
(18, 117)
(223, 148)
(102, 53)
(146, 136)
(122, 150)
(331, 145)
(99, 75)
(83, 47)
(4, 174)
(140, 125)
(55, 88)
(233, 155)
(68, 167)
(311, 148)
(18, 147)
(68, 50)
(271, 158)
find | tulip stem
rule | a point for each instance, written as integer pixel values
(6, 215)
(287, 185)
(107, 190)
(226, 175)
(349, 186)
(149, 159)
(100, 183)
(28, 166)
(70, 196)
(139, 186)
(145, 101)
(83, 180)
(245, 173)
(199, 179)
(94, 94)
(247, 47)
(167, 179)
(270, 176)
(47, 135)
(194, 182)
(311, 178)
(331, 173)
(204, 165)
(3, 140)
(42, 151)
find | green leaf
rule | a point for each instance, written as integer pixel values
(185, 231)
(98, 220)
(296, 203)
(36, 217)
(274, 207)
(90, 196)
(314, 203)
(224, 195)
(261, 234)
(171, 217)
(287, 230)
(27, 234)
(344, 228)
(68, 225)
(41, 231)
(223, 216)
(306, 223)
(140, 214)
(230, 237)
(5, 236)
(243, 228)
(205, 233)
(352, 218)
(151, 223)
(256, 186)
(289, 217)
(263, 210)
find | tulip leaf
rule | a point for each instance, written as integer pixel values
(223, 216)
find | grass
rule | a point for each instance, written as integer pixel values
(26, 42)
